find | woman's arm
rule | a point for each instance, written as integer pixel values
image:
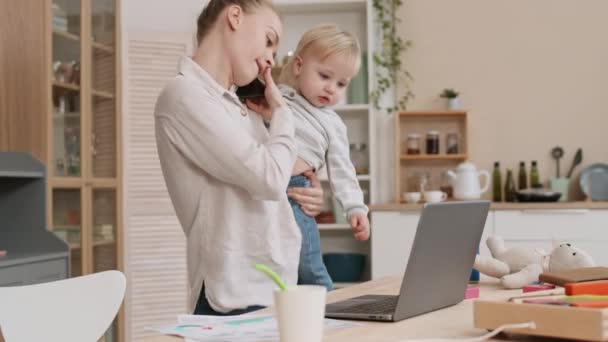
(199, 127)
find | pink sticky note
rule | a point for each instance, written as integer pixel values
(2, 253)
(471, 292)
(537, 287)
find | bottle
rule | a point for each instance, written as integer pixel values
(523, 178)
(534, 178)
(432, 142)
(510, 187)
(496, 183)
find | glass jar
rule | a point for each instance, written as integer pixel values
(412, 144)
(432, 142)
(452, 146)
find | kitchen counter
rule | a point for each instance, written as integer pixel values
(505, 206)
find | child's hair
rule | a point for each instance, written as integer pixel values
(324, 40)
(212, 11)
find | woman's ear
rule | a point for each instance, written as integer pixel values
(235, 16)
(297, 65)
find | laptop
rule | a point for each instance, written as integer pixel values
(438, 270)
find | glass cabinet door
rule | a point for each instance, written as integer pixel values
(67, 224)
(104, 230)
(66, 93)
(103, 78)
(105, 246)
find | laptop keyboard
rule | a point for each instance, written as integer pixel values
(383, 306)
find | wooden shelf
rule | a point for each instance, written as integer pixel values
(102, 94)
(359, 177)
(419, 114)
(410, 167)
(67, 35)
(318, 6)
(531, 206)
(434, 157)
(334, 226)
(102, 47)
(67, 227)
(66, 86)
(66, 182)
(99, 243)
(352, 108)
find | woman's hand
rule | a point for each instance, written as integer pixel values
(310, 199)
(271, 101)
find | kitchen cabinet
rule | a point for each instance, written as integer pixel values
(585, 226)
(393, 234)
(63, 82)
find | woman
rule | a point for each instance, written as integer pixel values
(225, 171)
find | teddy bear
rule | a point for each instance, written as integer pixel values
(520, 266)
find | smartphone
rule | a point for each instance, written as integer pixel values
(252, 90)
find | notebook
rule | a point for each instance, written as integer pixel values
(578, 275)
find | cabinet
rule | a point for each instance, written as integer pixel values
(394, 230)
(64, 86)
(392, 238)
(423, 163)
(33, 254)
(537, 228)
(356, 16)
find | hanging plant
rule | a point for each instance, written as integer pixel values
(390, 70)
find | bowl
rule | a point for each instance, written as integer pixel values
(344, 267)
(537, 195)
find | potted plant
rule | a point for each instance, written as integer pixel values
(452, 96)
(390, 67)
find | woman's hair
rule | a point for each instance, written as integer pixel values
(324, 40)
(212, 11)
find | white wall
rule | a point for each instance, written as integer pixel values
(532, 73)
(161, 15)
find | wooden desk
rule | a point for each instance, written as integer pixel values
(455, 321)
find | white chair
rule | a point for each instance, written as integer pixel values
(77, 309)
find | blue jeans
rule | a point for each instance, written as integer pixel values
(311, 270)
(203, 307)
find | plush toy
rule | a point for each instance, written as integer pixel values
(519, 266)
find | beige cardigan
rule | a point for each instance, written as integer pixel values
(227, 177)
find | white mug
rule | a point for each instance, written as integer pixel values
(412, 197)
(300, 313)
(435, 196)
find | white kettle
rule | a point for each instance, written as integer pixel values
(465, 181)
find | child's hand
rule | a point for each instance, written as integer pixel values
(360, 226)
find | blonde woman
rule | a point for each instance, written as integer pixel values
(314, 80)
(225, 172)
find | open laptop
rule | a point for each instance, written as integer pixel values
(438, 270)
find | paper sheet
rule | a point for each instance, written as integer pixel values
(243, 328)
